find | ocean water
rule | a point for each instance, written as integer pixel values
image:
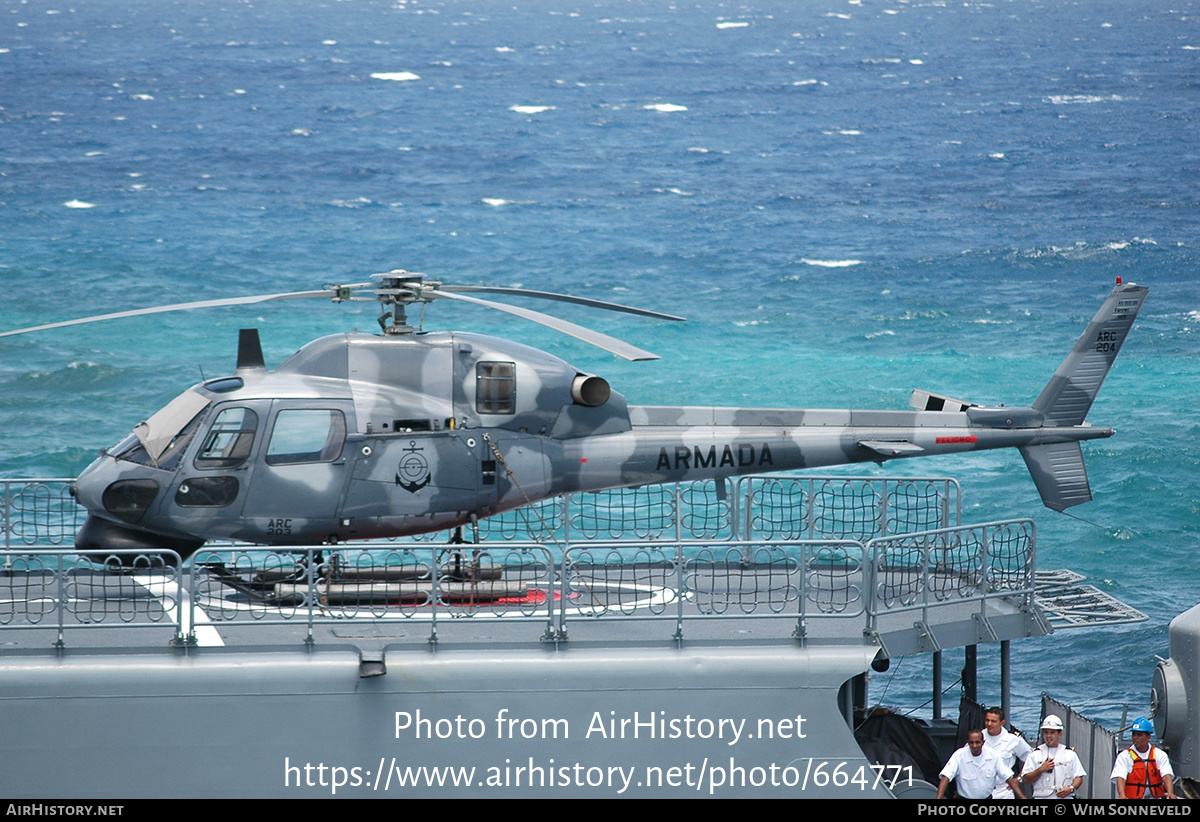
(848, 199)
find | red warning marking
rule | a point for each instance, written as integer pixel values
(950, 440)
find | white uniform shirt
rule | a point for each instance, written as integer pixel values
(1124, 764)
(1010, 748)
(977, 776)
(1066, 767)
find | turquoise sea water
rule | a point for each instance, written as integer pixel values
(848, 200)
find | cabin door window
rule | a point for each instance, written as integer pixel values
(306, 435)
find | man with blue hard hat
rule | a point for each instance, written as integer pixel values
(1143, 771)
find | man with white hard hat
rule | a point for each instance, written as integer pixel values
(1053, 770)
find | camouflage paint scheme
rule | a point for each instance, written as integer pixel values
(423, 451)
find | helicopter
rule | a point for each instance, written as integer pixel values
(366, 436)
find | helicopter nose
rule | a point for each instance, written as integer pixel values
(115, 491)
(88, 488)
(118, 495)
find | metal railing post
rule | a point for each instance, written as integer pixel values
(881, 521)
(312, 593)
(62, 603)
(7, 520)
(679, 576)
(435, 582)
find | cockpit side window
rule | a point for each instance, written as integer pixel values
(306, 435)
(229, 439)
(496, 388)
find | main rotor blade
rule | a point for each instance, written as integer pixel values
(610, 344)
(162, 309)
(565, 298)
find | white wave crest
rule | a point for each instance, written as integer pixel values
(1081, 99)
(397, 76)
(732, 25)
(664, 107)
(495, 202)
(830, 263)
(78, 204)
(530, 109)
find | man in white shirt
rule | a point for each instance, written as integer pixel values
(977, 769)
(1053, 770)
(1143, 771)
(1009, 746)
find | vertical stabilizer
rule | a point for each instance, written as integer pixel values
(1068, 396)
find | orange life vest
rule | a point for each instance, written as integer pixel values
(1144, 779)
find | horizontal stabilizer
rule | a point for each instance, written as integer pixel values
(1059, 474)
(891, 449)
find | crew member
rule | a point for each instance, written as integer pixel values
(978, 769)
(1053, 770)
(1009, 746)
(1143, 771)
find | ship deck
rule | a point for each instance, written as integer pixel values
(800, 561)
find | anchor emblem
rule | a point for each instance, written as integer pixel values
(413, 473)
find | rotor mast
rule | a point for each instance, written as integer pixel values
(397, 290)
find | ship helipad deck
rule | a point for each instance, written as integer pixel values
(794, 560)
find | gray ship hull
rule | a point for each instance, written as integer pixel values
(528, 722)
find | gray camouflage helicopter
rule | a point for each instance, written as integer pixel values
(363, 436)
